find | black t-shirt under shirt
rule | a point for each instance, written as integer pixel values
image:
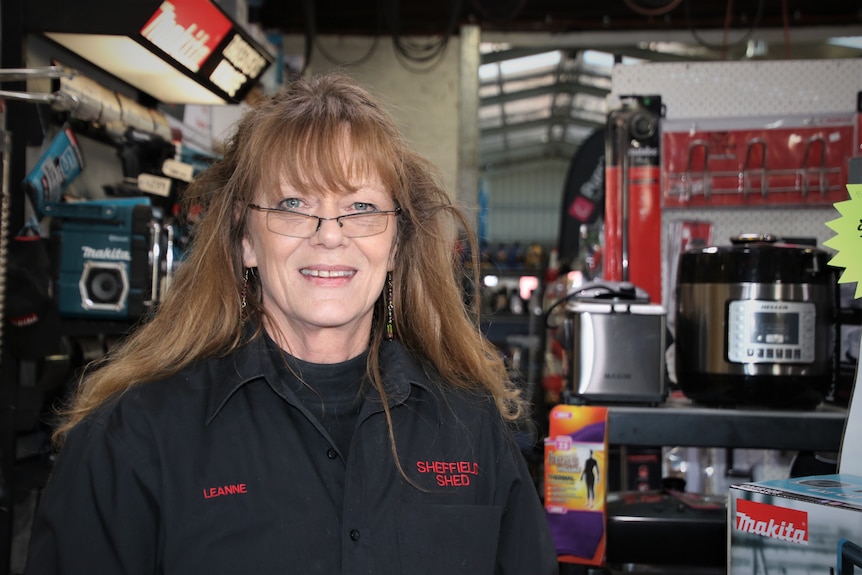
(331, 392)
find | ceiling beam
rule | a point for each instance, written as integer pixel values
(524, 155)
(556, 88)
(532, 124)
(511, 54)
(602, 40)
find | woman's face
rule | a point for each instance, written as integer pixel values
(326, 284)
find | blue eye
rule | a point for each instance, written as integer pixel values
(290, 204)
(364, 207)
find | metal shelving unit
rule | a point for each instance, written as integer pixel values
(682, 424)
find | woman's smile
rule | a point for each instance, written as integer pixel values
(324, 273)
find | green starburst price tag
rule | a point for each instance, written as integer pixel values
(848, 241)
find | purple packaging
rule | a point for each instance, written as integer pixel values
(576, 469)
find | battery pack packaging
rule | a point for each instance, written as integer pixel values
(59, 164)
(796, 526)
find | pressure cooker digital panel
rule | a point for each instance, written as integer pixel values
(770, 331)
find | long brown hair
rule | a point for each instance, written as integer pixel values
(298, 135)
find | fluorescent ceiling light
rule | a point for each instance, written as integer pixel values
(847, 41)
(523, 65)
(529, 63)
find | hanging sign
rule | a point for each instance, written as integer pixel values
(202, 39)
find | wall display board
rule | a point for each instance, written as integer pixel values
(729, 94)
(757, 161)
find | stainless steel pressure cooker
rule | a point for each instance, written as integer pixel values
(755, 323)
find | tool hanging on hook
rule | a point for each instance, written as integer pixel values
(88, 101)
(59, 100)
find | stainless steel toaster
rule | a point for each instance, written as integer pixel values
(616, 340)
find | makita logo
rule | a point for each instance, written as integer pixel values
(188, 45)
(645, 152)
(772, 521)
(106, 254)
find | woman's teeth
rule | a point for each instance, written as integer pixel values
(327, 273)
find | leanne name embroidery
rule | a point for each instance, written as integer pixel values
(234, 489)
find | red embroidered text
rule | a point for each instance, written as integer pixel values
(234, 489)
(449, 473)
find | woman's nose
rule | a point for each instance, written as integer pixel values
(329, 232)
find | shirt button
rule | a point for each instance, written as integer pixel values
(331, 453)
(354, 534)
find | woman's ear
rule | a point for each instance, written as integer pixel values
(249, 256)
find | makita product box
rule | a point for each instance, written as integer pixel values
(794, 526)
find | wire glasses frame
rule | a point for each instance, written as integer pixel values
(299, 225)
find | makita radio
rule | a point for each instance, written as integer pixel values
(114, 255)
(109, 265)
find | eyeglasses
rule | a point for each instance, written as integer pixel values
(299, 225)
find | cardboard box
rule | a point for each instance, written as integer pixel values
(794, 526)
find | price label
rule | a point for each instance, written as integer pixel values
(848, 241)
(178, 170)
(156, 185)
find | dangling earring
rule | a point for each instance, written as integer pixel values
(243, 314)
(390, 323)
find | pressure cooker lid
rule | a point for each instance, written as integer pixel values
(755, 258)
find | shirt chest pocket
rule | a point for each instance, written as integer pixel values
(451, 539)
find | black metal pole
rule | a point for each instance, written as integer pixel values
(12, 40)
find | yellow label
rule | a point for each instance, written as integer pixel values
(848, 241)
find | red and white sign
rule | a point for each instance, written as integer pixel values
(771, 521)
(187, 30)
(201, 38)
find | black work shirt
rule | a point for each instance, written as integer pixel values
(220, 469)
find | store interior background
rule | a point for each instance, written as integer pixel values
(504, 106)
(501, 96)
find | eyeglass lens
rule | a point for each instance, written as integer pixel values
(305, 226)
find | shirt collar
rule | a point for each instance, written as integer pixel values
(253, 361)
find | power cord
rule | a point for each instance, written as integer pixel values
(646, 11)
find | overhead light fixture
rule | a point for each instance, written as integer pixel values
(177, 51)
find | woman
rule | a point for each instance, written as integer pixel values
(312, 396)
